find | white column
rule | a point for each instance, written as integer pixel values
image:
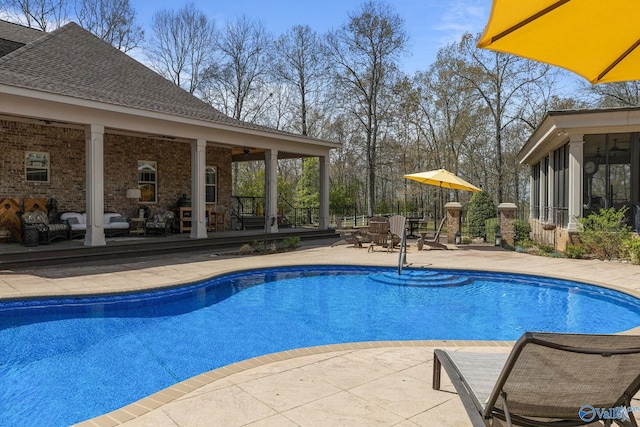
(542, 213)
(532, 181)
(94, 147)
(549, 217)
(576, 150)
(271, 191)
(198, 196)
(323, 221)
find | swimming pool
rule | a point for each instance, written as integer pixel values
(66, 360)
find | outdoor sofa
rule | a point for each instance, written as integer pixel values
(114, 224)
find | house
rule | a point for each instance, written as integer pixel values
(82, 123)
(581, 161)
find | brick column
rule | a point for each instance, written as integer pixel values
(507, 222)
(454, 211)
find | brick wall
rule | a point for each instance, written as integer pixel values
(66, 148)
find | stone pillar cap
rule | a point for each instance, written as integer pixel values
(507, 206)
(453, 205)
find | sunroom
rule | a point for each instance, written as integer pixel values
(582, 161)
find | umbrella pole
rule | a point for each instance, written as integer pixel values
(441, 202)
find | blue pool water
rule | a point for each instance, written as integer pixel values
(67, 360)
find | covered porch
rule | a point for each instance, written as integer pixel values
(582, 161)
(99, 132)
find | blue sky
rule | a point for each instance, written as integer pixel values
(430, 24)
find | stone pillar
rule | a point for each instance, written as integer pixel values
(507, 222)
(454, 212)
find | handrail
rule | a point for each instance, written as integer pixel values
(402, 258)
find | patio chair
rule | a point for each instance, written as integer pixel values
(548, 379)
(160, 223)
(347, 235)
(47, 231)
(396, 229)
(433, 242)
(378, 232)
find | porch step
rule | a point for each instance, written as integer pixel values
(253, 222)
(15, 255)
(257, 223)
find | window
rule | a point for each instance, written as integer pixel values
(559, 209)
(37, 167)
(211, 184)
(147, 181)
(607, 171)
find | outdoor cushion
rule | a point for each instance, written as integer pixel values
(76, 220)
(35, 217)
(115, 221)
(57, 227)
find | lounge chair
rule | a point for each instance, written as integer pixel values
(548, 379)
(433, 242)
(397, 225)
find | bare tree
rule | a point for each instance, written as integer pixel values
(623, 94)
(299, 63)
(111, 20)
(182, 45)
(503, 82)
(45, 15)
(365, 52)
(452, 120)
(234, 81)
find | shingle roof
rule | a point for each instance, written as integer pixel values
(18, 33)
(73, 62)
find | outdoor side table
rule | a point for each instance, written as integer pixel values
(30, 235)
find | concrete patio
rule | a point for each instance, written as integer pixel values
(373, 384)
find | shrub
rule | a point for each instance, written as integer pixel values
(491, 228)
(290, 242)
(575, 251)
(522, 230)
(546, 249)
(630, 249)
(246, 249)
(258, 245)
(603, 232)
(481, 208)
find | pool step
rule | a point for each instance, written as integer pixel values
(420, 278)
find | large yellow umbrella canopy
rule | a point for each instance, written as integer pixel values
(597, 39)
(444, 179)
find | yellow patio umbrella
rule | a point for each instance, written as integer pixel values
(444, 179)
(597, 39)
